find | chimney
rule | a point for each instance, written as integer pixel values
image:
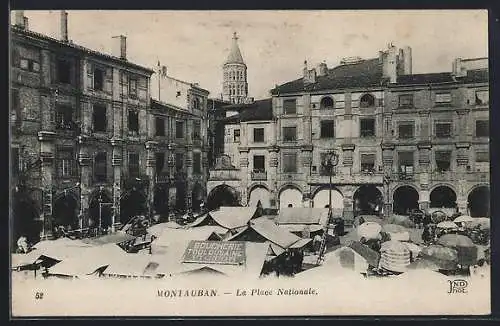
(26, 23)
(19, 19)
(407, 60)
(64, 26)
(304, 70)
(120, 47)
(458, 70)
(380, 56)
(322, 69)
(390, 64)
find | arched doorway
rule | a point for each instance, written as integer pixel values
(180, 196)
(405, 199)
(222, 195)
(478, 202)
(322, 200)
(261, 194)
(443, 197)
(368, 200)
(65, 212)
(160, 200)
(25, 219)
(290, 197)
(133, 203)
(197, 197)
(100, 210)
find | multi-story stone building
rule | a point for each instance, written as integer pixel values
(403, 140)
(89, 145)
(180, 143)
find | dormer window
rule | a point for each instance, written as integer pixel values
(367, 101)
(326, 103)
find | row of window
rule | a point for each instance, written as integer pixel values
(64, 120)
(66, 163)
(234, 75)
(406, 130)
(367, 161)
(368, 100)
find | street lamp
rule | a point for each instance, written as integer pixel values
(329, 162)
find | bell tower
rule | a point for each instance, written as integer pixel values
(234, 85)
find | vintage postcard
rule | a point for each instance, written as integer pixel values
(249, 163)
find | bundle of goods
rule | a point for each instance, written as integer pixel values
(369, 230)
(444, 257)
(397, 232)
(466, 250)
(395, 256)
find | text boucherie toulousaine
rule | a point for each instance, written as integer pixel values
(178, 293)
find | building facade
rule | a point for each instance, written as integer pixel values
(79, 129)
(404, 141)
(180, 145)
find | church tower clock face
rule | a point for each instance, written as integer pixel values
(235, 85)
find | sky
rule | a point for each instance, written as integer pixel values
(274, 44)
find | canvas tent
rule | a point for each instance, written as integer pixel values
(88, 261)
(300, 220)
(50, 250)
(172, 237)
(171, 263)
(229, 218)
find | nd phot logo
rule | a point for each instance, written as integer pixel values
(457, 286)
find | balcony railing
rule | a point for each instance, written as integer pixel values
(405, 176)
(259, 175)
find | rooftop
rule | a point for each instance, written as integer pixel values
(365, 73)
(70, 44)
(235, 53)
(260, 110)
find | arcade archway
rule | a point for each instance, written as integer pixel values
(65, 211)
(180, 196)
(25, 219)
(197, 197)
(290, 197)
(478, 202)
(405, 199)
(100, 210)
(160, 200)
(443, 197)
(133, 203)
(322, 200)
(222, 195)
(368, 200)
(261, 194)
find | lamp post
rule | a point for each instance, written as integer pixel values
(329, 162)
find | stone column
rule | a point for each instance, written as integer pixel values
(244, 175)
(387, 163)
(85, 161)
(172, 190)
(116, 162)
(424, 152)
(462, 199)
(189, 178)
(273, 175)
(46, 139)
(348, 214)
(151, 173)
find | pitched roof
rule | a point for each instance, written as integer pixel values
(260, 110)
(431, 78)
(477, 76)
(362, 74)
(235, 53)
(302, 215)
(72, 45)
